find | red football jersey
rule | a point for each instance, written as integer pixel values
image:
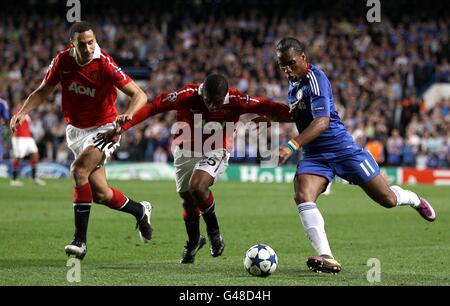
(23, 130)
(189, 105)
(89, 91)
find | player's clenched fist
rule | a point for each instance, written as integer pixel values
(284, 154)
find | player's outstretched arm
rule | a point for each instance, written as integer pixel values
(270, 110)
(314, 130)
(35, 99)
(138, 100)
(160, 104)
(156, 106)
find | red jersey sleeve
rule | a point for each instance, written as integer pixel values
(53, 76)
(161, 104)
(278, 111)
(115, 74)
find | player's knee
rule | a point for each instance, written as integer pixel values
(302, 197)
(189, 205)
(34, 158)
(78, 172)
(187, 200)
(198, 189)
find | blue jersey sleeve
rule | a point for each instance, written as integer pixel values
(320, 95)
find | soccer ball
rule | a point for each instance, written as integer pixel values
(260, 260)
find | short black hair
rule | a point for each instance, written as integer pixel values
(80, 27)
(216, 84)
(288, 43)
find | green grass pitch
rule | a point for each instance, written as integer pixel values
(37, 222)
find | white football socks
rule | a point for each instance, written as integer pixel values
(314, 225)
(405, 197)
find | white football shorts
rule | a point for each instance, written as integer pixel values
(79, 139)
(214, 163)
(23, 146)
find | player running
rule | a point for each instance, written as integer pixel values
(89, 78)
(24, 145)
(196, 174)
(328, 150)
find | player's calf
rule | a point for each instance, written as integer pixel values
(387, 200)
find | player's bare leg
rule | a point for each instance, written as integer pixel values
(199, 186)
(102, 193)
(307, 189)
(379, 191)
(191, 217)
(85, 164)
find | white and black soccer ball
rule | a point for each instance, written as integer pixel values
(260, 260)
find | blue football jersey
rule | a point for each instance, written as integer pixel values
(310, 98)
(4, 110)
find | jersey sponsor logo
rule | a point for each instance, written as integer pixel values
(82, 90)
(301, 105)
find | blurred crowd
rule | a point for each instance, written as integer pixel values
(378, 73)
